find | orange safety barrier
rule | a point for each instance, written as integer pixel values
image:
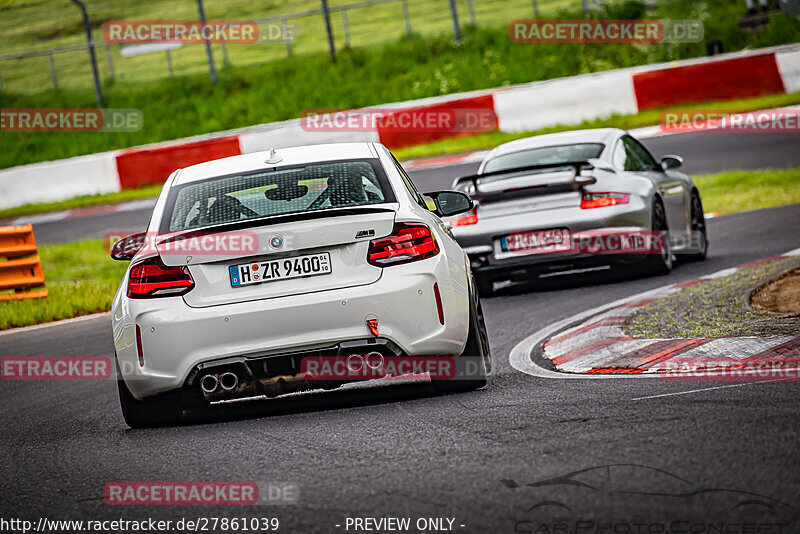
(20, 268)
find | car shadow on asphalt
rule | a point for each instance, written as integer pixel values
(366, 394)
(613, 275)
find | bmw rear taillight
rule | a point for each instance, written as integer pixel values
(408, 242)
(150, 278)
(470, 217)
(601, 200)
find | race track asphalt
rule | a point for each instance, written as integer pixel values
(526, 454)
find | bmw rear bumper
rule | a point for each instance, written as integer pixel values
(177, 338)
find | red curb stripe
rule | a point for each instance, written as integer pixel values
(435, 162)
(653, 353)
(789, 351)
(586, 349)
(614, 370)
(639, 303)
(609, 321)
(761, 262)
(690, 283)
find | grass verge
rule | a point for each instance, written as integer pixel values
(444, 147)
(81, 278)
(716, 308)
(730, 192)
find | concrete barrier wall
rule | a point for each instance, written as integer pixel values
(57, 180)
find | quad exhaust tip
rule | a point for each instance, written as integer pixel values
(374, 360)
(209, 383)
(355, 362)
(228, 381)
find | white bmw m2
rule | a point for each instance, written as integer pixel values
(254, 265)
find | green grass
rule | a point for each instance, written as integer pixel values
(81, 279)
(729, 192)
(402, 69)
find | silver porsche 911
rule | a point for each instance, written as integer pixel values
(576, 202)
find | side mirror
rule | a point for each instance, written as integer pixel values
(127, 247)
(671, 162)
(449, 203)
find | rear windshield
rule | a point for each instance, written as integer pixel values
(545, 156)
(299, 189)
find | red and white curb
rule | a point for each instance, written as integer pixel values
(592, 344)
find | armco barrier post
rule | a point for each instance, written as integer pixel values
(20, 268)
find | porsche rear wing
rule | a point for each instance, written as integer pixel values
(472, 184)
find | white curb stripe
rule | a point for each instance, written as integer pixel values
(520, 356)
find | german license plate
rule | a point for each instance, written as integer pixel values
(537, 241)
(246, 274)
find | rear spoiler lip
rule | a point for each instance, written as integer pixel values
(276, 219)
(533, 190)
(474, 177)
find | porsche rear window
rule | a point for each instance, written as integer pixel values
(311, 187)
(545, 156)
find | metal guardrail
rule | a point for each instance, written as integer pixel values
(285, 19)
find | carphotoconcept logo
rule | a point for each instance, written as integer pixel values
(70, 120)
(605, 31)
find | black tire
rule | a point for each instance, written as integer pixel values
(484, 286)
(163, 410)
(476, 361)
(660, 263)
(698, 227)
(160, 411)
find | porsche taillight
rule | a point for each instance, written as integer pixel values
(601, 200)
(408, 242)
(470, 217)
(150, 278)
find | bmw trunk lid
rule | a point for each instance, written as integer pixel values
(307, 253)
